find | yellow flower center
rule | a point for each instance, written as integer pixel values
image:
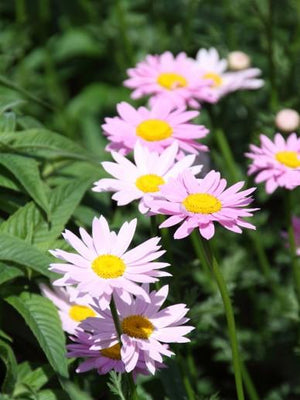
(149, 183)
(137, 326)
(112, 352)
(203, 203)
(108, 266)
(217, 80)
(153, 130)
(80, 313)
(288, 158)
(171, 81)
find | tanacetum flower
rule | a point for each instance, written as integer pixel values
(103, 360)
(71, 313)
(103, 265)
(213, 68)
(172, 79)
(276, 163)
(144, 178)
(198, 203)
(145, 329)
(156, 128)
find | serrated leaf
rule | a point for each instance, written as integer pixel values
(18, 251)
(32, 379)
(43, 142)
(7, 122)
(26, 171)
(42, 318)
(8, 357)
(7, 273)
(28, 221)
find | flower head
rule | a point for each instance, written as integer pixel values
(103, 266)
(287, 120)
(144, 178)
(71, 313)
(146, 329)
(214, 69)
(172, 79)
(198, 203)
(103, 360)
(156, 128)
(276, 163)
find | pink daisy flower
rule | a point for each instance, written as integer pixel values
(172, 79)
(103, 360)
(276, 163)
(71, 313)
(142, 179)
(145, 329)
(103, 266)
(214, 69)
(198, 203)
(156, 128)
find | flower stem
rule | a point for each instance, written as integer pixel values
(131, 395)
(292, 243)
(229, 316)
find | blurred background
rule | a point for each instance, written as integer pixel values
(62, 64)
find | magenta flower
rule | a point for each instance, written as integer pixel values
(198, 203)
(103, 361)
(276, 163)
(103, 265)
(146, 329)
(156, 128)
(71, 313)
(214, 69)
(144, 178)
(172, 79)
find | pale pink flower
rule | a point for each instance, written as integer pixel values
(198, 203)
(103, 265)
(214, 69)
(71, 313)
(277, 163)
(139, 180)
(103, 360)
(172, 79)
(145, 329)
(156, 128)
(238, 60)
(287, 120)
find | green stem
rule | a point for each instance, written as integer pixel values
(249, 386)
(230, 319)
(292, 243)
(132, 395)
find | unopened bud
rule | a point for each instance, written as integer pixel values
(238, 60)
(287, 120)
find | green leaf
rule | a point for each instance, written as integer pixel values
(26, 171)
(7, 273)
(18, 251)
(44, 143)
(52, 395)
(42, 318)
(9, 103)
(7, 122)
(8, 357)
(32, 379)
(28, 221)
(73, 390)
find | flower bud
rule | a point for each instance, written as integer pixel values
(287, 120)
(238, 60)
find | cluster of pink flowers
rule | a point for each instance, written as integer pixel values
(103, 280)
